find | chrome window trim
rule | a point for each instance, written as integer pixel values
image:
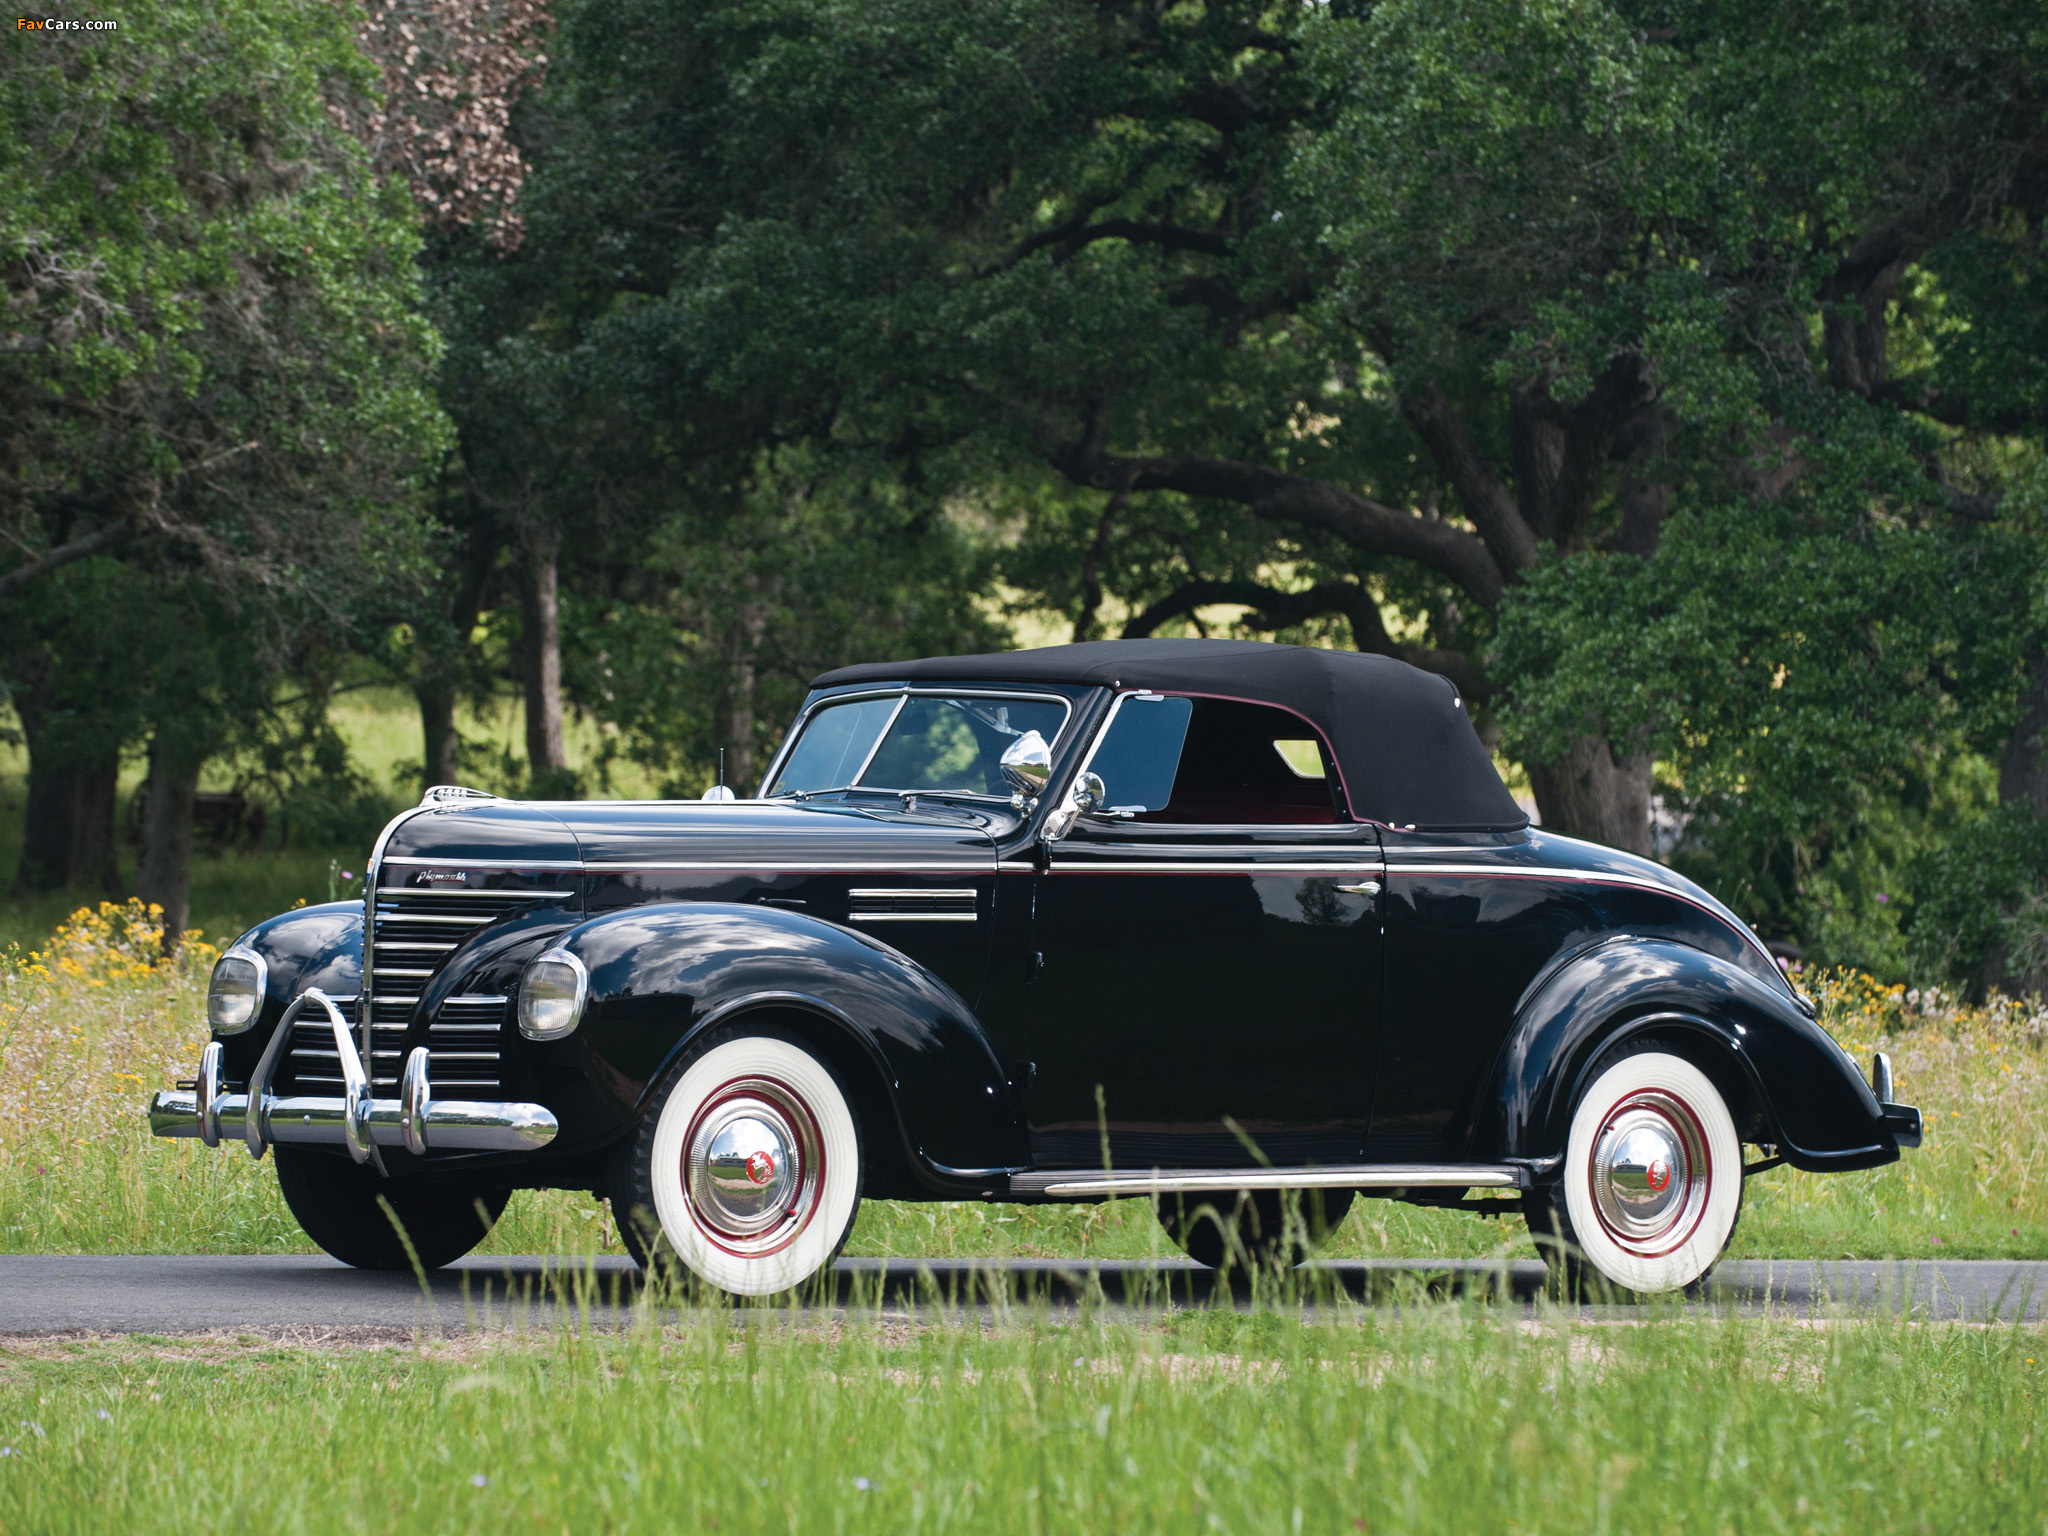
(900, 694)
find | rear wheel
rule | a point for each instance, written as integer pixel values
(1256, 1227)
(1652, 1179)
(335, 1200)
(746, 1168)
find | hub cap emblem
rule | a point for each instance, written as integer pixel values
(761, 1168)
(1659, 1176)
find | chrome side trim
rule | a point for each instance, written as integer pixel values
(1209, 867)
(784, 866)
(916, 917)
(412, 861)
(1075, 1182)
(424, 893)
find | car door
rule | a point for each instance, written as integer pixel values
(1209, 974)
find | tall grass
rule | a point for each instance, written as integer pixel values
(95, 1019)
(1439, 1420)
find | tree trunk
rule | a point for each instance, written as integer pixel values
(540, 622)
(2023, 771)
(739, 757)
(68, 838)
(437, 730)
(68, 823)
(1595, 793)
(164, 876)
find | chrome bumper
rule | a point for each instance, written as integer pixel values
(415, 1120)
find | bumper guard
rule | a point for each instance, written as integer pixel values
(415, 1120)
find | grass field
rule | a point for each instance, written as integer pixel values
(1445, 1419)
(90, 1027)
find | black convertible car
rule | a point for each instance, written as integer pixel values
(1209, 922)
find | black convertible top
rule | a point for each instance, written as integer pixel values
(1404, 744)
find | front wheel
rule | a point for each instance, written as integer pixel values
(746, 1168)
(1652, 1179)
(337, 1202)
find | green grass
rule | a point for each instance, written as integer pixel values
(1440, 1419)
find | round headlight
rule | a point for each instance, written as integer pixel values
(551, 995)
(235, 995)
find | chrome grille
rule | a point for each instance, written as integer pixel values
(416, 931)
(462, 1046)
(312, 1065)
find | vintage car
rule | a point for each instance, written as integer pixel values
(1199, 921)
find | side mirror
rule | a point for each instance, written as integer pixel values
(1027, 765)
(1090, 793)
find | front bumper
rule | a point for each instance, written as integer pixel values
(415, 1120)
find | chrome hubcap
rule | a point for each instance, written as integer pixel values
(753, 1166)
(1650, 1172)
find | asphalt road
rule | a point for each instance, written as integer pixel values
(315, 1296)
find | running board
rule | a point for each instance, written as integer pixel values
(1076, 1184)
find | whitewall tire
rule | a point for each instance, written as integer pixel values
(750, 1165)
(1652, 1174)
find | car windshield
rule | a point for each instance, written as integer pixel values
(920, 742)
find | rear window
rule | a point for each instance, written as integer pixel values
(928, 743)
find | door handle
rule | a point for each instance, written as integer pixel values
(1362, 888)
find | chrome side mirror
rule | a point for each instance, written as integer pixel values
(1027, 765)
(1090, 793)
(1086, 793)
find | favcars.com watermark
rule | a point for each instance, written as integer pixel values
(60, 24)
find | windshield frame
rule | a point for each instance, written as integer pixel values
(902, 694)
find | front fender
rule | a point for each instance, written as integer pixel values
(662, 975)
(306, 947)
(1809, 1097)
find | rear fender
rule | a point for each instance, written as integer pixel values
(660, 976)
(1804, 1093)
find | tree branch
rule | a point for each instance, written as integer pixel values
(1280, 497)
(64, 554)
(1486, 500)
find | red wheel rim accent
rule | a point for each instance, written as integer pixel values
(811, 1186)
(1691, 1209)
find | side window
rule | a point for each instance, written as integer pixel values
(1250, 763)
(1140, 753)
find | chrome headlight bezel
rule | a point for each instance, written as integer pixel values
(574, 987)
(238, 958)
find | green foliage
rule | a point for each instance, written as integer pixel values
(815, 563)
(216, 309)
(1981, 892)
